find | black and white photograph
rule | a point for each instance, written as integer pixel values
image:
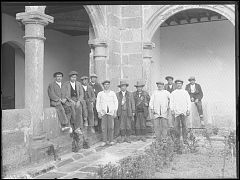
(119, 90)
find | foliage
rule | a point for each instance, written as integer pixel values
(192, 142)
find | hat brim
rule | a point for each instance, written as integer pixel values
(93, 76)
(123, 85)
(179, 82)
(105, 82)
(168, 77)
(139, 85)
(159, 83)
(57, 73)
(191, 79)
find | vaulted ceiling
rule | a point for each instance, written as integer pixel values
(72, 18)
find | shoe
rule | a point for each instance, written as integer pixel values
(92, 130)
(143, 139)
(201, 116)
(103, 144)
(65, 128)
(70, 130)
(78, 131)
(112, 143)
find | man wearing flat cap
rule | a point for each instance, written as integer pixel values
(180, 107)
(141, 99)
(170, 87)
(96, 88)
(159, 105)
(89, 97)
(196, 95)
(107, 105)
(57, 101)
(126, 111)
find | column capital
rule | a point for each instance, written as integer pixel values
(147, 49)
(97, 43)
(148, 45)
(99, 47)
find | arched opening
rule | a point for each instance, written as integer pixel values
(199, 42)
(12, 76)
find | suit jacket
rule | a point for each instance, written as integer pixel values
(66, 91)
(166, 87)
(96, 88)
(91, 93)
(130, 103)
(54, 94)
(146, 99)
(198, 94)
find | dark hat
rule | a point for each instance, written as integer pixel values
(139, 84)
(169, 77)
(73, 73)
(106, 81)
(178, 80)
(160, 82)
(84, 77)
(93, 75)
(123, 83)
(191, 78)
(57, 73)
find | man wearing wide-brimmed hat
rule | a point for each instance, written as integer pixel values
(180, 107)
(96, 88)
(106, 106)
(141, 99)
(126, 111)
(196, 95)
(57, 101)
(89, 97)
(170, 86)
(159, 105)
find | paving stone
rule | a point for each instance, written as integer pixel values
(92, 158)
(78, 175)
(72, 167)
(51, 175)
(89, 169)
(77, 156)
(64, 162)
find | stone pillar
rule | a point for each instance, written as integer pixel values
(99, 55)
(147, 60)
(34, 19)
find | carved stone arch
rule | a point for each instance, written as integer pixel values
(16, 45)
(167, 11)
(97, 19)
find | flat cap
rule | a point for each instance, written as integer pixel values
(168, 77)
(57, 73)
(178, 80)
(191, 78)
(160, 82)
(93, 75)
(73, 73)
(84, 77)
(106, 81)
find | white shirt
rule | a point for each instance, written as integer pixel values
(159, 103)
(192, 87)
(180, 102)
(123, 99)
(85, 87)
(170, 85)
(123, 93)
(73, 84)
(92, 83)
(59, 83)
(106, 100)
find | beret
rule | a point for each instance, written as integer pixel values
(73, 73)
(56, 73)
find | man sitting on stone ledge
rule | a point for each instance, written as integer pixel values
(57, 101)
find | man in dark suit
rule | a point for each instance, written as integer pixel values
(196, 95)
(96, 88)
(141, 99)
(57, 101)
(89, 97)
(170, 86)
(126, 111)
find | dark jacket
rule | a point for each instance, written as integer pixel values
(130, 103)
(145, 99)
(54, 94)
(66, 91)
(96, 88)
(198, 94)
(166, 87)
(91, 94)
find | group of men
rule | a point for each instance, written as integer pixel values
(90, 104)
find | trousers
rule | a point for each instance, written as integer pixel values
(107, 127)
(180, 119)
(63, 113)
(199, 107)
(125, 121)
(140, 123)
(90, 113)
(160, 127)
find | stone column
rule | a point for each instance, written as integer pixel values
(147, 60)
(34, 19)
(99, 55)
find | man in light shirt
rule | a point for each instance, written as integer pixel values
(107, 105)
(159, 105)
(57, 101)
(180, 107)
